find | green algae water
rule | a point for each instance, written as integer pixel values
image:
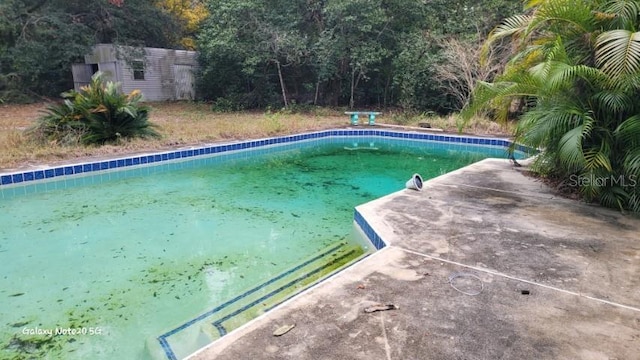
(100, 266)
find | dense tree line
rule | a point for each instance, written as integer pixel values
(261, 53)
(40, 39)
(333, 52)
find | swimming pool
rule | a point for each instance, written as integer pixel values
(160, 259)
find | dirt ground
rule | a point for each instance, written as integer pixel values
(14, 116)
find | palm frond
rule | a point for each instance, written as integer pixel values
(618, 52)
(634, 201)
(554, 53)
(560, 75)
(498, 97)
(574, 17)
(527, 57)
(570, 151)
(629, 130)
(590, 187)
(98, 113)
(578, 68)
(613, 196)
(510, 26)
(596, 159)
(622, 13)
(528, 4)
(632, 165)
(612, 101)
(544, 126)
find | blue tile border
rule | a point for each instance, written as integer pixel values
(93, 167)
(371, 234)
(6, 180)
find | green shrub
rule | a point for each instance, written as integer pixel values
(60, 124)
(97, 114)
(11, 92)
(228, 104)
(403, 117)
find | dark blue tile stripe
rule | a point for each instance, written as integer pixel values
(218, 324)
(28, 176)
(366, 255)
(163, 338)
(167, 349)
(371, 234)
(221, 330)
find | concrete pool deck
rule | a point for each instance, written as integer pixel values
(554, 278)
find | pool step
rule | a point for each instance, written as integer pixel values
(284, 288)
(215, 323)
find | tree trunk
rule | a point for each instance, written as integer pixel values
(354, 84)
(353, 87)
(386, 91)
(284, 91)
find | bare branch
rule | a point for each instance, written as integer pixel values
(461, 68)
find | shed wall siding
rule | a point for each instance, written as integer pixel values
(159, 74)
(81, 75)
(185, 82)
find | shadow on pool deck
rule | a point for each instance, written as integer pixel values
(579, 263)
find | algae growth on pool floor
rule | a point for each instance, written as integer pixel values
(109, 263)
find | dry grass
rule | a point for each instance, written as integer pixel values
(192, 123)
(184, 124)
(478, 126)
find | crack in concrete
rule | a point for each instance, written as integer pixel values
(495, 273)
(387, 347)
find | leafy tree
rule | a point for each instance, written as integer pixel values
(28, 50)
(359, 29)
(40, 39)
(245, 47)
(190, 14)
(358, 53)
(577, 68)
(431, 71)
(255, 53)
(323, 50)
(414, 73)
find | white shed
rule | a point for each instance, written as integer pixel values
(161, 74)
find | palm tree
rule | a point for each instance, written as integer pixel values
(576, 67)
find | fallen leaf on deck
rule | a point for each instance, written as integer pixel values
(283, 329)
